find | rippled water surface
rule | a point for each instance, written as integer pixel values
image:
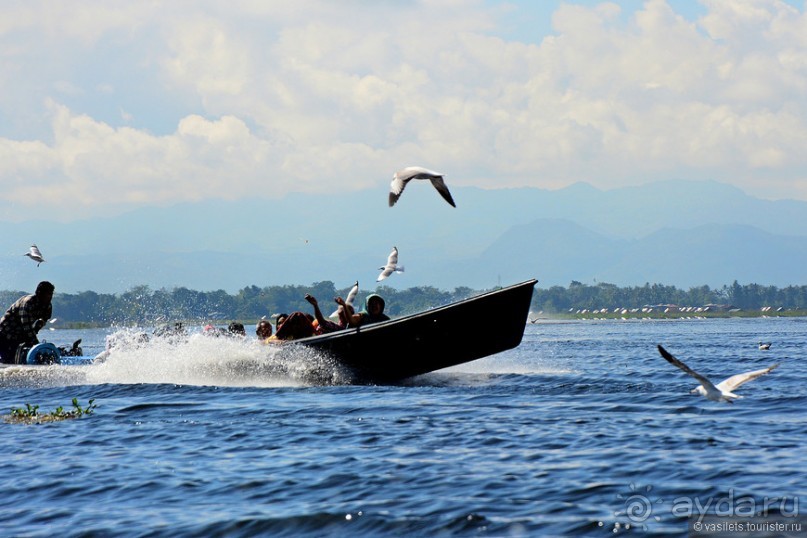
(582, 430)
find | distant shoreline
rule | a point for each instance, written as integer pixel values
(556, 316)
(740, 314)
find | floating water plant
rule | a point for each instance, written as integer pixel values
(30, 413)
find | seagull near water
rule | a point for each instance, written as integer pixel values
(764, 345)
(402, 177)
(722, 392)
(391, 267)
(35, 255)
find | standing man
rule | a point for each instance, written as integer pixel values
(23, 320)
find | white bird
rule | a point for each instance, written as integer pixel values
(391, 267)
(722, 392)
(402, 177)
(351, 296)
(35, 255)
(764, 345)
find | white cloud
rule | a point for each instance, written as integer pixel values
(208, 57)
(317, 95)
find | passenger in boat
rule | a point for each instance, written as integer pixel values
(210, 330)
(236, 329)
(297, 325)
(279, 321)
(175, 331)
(23, 320)
(263, 330)
(373, 311)
(322, 325)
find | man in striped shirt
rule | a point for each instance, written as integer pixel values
(23, 320)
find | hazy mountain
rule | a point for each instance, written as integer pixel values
(558, 251)
(675, 232)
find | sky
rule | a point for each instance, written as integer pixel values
(109, 106)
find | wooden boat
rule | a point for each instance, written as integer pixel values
(420, 343)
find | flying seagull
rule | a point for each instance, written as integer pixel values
(722, 392)
(391, 267)
(35, 255)
(402, 177)
(351, 295)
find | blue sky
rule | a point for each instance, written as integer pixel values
(115, 105)
(530, 21)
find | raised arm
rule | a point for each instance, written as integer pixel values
(350, 317)
(317, 312)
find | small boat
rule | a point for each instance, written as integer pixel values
(47, 353)
(445, 336)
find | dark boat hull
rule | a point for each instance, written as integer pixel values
(420, 343)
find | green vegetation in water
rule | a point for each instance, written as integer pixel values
(30, 413)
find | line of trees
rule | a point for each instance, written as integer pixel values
(603, 295)
(142, 305)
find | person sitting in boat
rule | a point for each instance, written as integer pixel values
(236, 329)
(373, 311)
(23, 320)
(211, 330)
(297, 325)
(279, 320)
(263, 330)
(171, 332)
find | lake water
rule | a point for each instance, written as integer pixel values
(582, 430)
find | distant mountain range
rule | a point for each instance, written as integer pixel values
(681, 233)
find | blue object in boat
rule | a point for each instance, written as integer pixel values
(43, 353)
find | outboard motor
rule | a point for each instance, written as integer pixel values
(43, 353)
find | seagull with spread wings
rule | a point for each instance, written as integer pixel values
(402, 177)
(391, 267)
(723, 391)
(35, 255)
